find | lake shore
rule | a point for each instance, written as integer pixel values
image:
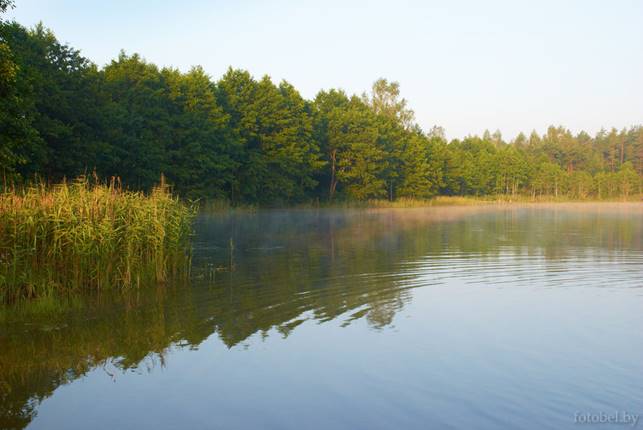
(439, 201)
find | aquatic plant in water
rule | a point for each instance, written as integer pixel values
(81, 235)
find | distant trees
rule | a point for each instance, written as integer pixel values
(277, 156)
(349, 138)
(423, 161)
(254, 141)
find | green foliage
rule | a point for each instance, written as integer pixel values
(82, 236)
(422, 166)
(278, 156)
(247, 141)
(385, 101)
(580, 184)
(629, 182)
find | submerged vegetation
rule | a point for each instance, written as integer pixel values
(78, 236)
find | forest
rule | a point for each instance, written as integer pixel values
(248, 140)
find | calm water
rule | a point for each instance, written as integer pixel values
(463, 318)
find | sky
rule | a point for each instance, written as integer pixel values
(466, 66)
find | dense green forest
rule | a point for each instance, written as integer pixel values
(249, 140)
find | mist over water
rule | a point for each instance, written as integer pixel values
(466, 317)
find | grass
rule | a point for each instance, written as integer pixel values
(81, 235)
(454, 201)
(224, 205)
(418, 203)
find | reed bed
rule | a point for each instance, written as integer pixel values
(81, 235)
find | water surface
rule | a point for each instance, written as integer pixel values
(485, 318)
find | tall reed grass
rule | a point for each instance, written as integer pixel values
(82, 235)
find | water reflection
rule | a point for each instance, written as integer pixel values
(270, 272)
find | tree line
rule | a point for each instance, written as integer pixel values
(249, 140)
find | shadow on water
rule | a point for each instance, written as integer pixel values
(267, 273)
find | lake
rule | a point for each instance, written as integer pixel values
(488, 317)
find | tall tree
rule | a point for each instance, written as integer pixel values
(140, 113)
(279, 155)
(423, 161)
(200, 155)
(385, 100)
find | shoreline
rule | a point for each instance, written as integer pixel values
(438, 202)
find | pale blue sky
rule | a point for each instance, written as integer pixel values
(464, 65)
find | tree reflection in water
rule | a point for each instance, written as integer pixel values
(268, 272)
